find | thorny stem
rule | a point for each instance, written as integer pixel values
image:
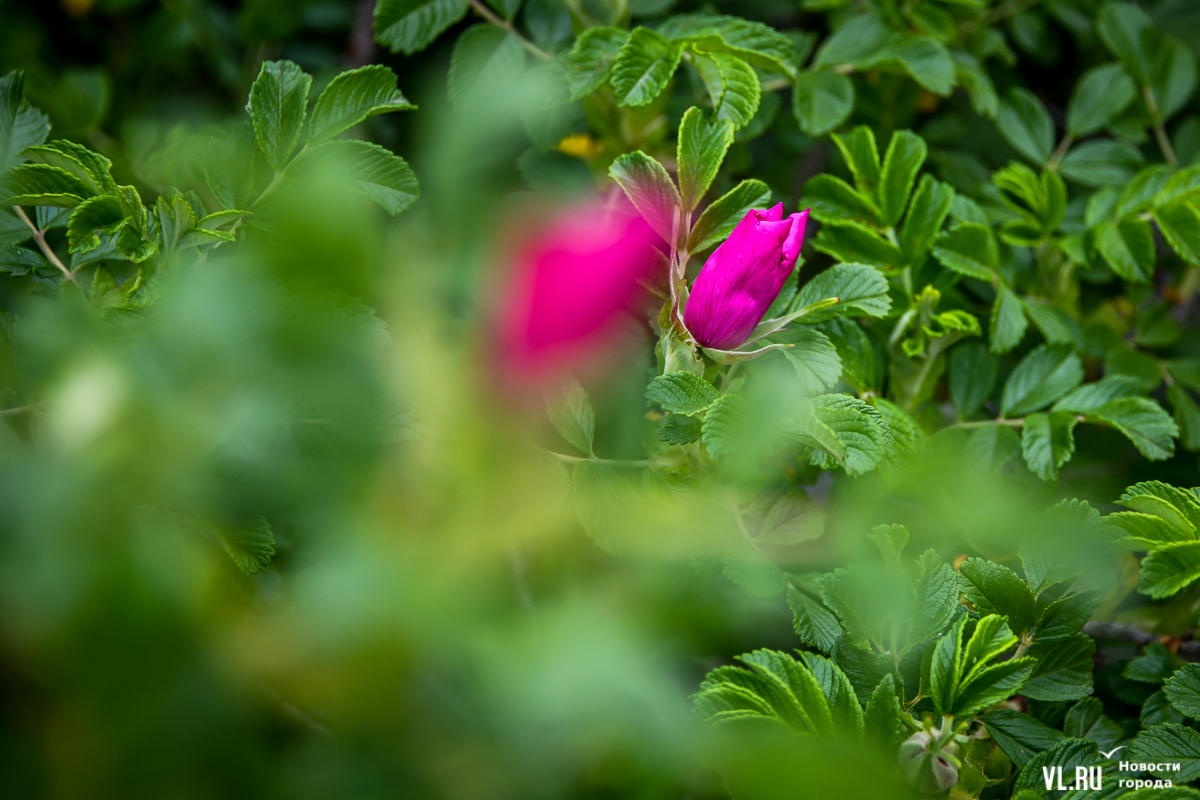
(1160, 130)
(45, 248)
(485, 12)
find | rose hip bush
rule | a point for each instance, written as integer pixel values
(600, 398)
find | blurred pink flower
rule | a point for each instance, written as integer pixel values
(573, 279)
(743, 277)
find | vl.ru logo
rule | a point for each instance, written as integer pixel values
(1085, 778)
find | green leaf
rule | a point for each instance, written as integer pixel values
(1183, 690)
(995, 589)
(857, 39)
(701, 149)
(485, 59)
(1066, 616)
(813, 356)
(1128, 248)
(278, 103)
(229, 169)
(937, 598)
(834, 202)
(91, 168)
(251, 547)
(723, 215)
(843, 703)
(21, 125)
(993, 446)
(969, 250)
(861, 290)
(1173, 78)
(1048, 442)
(1155, 711)
(1173, 743)
(815, 624)
(883, 717)
(733, 86)
(978, 84)
(103, 214)
(1047, 373)
(945, 667)
(1143, 422)
(858, 428)
(1019, 735)
(681, 393)
(644, 65)
(1026, 125)
(650, 189)
(851, 242)
(753, 572)
(409, 26)
(1102, 162)
(570, 411)
(1187, 416)
(1169, 568)
(1055, 326)
(907, 435)
(973, 374)
(905, 154)
(1086, 720)
(822, 100)
(929, 209)
(862, 157)
(1154, 665)
(1091, 396)
(1064, 669)
(1179, 507)
(377, 173)
(598, 496)
(1180, 226)
(1129, 35)
(678, 429)
(590, 59)
(721, 424)
(1067, 754)
(924, 58)
(1098, 98)
(1146, 531)
(42, 185)
(354, 96)
(753, 42)
(793, 518)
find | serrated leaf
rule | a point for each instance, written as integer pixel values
(485, 58)
(1169, 568)
(590, 59)
(854, 243)
(719, 433)
(814, 623)
(723, 215)
(251, 547)
(863, 439)
(1183, 690)
(1143, 421)
(937, 598)
(969, 250)
(821, 100)
(1180, 226)
(973, 374)
(905, 154)
(1048, 442)
(993, 446)
(995, 589)
(882, 717)
(814, 358)
(834, 202)
(377, 173)
(277, 106)
(1098, 98)
(1047, 373)
(843, 703)
(89, 167)
(650, 189)
(944, 668)
(756, 43)
(42, 185)
(861, 290)
(1026, 125)
(1019, 735)
(862, 157)
(103, 214)
(681, 393)
(1170, 743)
(21, 125)
(570, 411)
(644, 65)
(678, 429)
(1102, 163)
(1154, 665)
(701, 149)
(1064, 669)
(1127, 247)
(732, 84)
(409, 26)
(929, 209)
(352, 97)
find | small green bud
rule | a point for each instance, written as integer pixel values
(926, 767)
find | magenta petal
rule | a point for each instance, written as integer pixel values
(743, 277)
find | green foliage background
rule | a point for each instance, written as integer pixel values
(267, 529)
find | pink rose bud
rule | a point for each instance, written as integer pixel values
(743, 277)
(574, 279)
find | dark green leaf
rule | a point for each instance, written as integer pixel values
(723, 215)
(701, 149)
(409, 26)
(973, 374)
(930, 207)
(1169, 568)
(995, 589)
(821, 100)
(1048, 442)
(681, 393)
(278, 103)
(1098, 98)
(485, 60)
(861, 291)
(1027, 126)
(1019, 735)
(644, 65)
(1047, 373)
(353, 96)
(376, 173)
(1183, 690)
(588, 63)
(650, 189)
(21, 125)
(905, 154)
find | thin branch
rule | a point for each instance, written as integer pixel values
(1008, 9)
(45, 248)
(1134, 635)
(1060, 151)
(612, 462)
(482, 10)
(8, 412)
(1160, 130)
(983, 423)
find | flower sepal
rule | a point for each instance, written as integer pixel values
(734, 356)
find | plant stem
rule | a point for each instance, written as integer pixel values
(612, 462)
(1160, 129)
(8, 412)
(983, 423)
(1008, 9)
(482, 10)
(45, 248)
(1060, 151)
(775, 84)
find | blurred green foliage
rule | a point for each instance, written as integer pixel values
(270, 528)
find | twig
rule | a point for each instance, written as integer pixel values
(1134, 635)
(983, 423)
(360, 48)
(8, 412)
(1160, 130)
(1060, 151)
(45, 248)
(612, 462)
(1008, 9)
(482, 10)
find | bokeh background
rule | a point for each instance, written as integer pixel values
(435, 622)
